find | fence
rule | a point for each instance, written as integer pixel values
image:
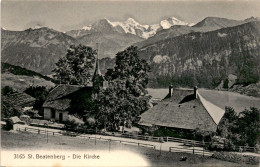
(138, 137)
(124, 135)
(190, 150)
(67, 133)
(121, 141)
(166, 139)
(247, 149)
(39, 131)
(186, 142)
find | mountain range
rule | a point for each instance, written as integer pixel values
(173, 47)
(39, 48)
(207, 24)
(35, 49)
(206, 58)
(130, 26)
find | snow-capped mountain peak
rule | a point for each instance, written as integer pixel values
(130, 26)
(38, 26)
(131, 21)
(87, 27)
(166, 24)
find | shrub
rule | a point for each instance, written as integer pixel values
(73, 123)
(8, 111)
(9, 125)
(225, 84)
(40, 94)
(7, 90)
(91, 121)
(237, 158)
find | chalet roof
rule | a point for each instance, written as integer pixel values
(181, 110)
(214, 111)
(232, 99)
(62, 91)
(58, 97)
(180, 96)
(58, 104)
(19, 99)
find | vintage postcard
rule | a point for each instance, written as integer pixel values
(130, 83)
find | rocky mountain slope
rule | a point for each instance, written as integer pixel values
(39, 48)
(109, 42)
(207, 24)
(206, 58)
(34, 49)
(204, 54)
(249, 90)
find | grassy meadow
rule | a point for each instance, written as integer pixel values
(14, 140)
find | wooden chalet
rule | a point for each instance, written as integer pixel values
(183, 109)
(60, 100)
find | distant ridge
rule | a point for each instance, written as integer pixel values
(207, 24)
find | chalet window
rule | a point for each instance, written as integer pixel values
(52, 113)
(60, 117)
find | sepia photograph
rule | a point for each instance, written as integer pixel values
(160, 83)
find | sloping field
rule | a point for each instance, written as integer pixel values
(21, 82)
(235, 100)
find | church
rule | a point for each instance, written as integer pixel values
(65, 99)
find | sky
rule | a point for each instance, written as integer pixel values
(67, 15)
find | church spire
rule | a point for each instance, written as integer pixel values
(97, 70)
(97, 77)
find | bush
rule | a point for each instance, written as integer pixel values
(240, 130)
(91, 122)
(237, 158)
(26, 119)
(178, 133)
(225, 84)
(8, 111)
(9, 125)
(7, 90)
(73, 123)
(226, 145)
(40, 93)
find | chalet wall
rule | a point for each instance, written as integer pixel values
(64, 115)
(47, 113)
